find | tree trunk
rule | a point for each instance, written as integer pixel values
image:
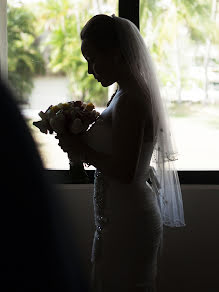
(178, 72)
(98, 6)
(206, 62)
(83, 95)
(207, 53)
(77, 9)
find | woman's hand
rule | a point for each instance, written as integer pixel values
(66, 141)
(71, 144)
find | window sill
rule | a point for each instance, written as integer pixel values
(196, 177)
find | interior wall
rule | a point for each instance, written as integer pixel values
(190, 257)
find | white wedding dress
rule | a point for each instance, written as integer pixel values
(127, 219)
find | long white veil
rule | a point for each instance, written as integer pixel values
(163, 174)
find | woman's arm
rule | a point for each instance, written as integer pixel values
(77, 148)
(128, 122)
(101, 161)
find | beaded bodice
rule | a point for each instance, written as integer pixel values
(99, 137)
(107, 205)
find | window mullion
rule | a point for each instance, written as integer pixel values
(130, 9)
(3, 40)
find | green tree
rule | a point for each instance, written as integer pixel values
(169, 26)
(211, 39)
(64, 20)
(24, 58)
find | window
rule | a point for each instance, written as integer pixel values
(45, 64)
(185, 54)
(182, 39)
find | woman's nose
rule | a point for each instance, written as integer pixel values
(90, 69)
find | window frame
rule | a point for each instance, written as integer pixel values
(4, 41)
(128, 9)
(186, 177)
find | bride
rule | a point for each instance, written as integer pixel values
(136, 188)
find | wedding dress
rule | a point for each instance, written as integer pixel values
(127, 220)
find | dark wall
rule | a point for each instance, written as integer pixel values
(190, 259)
(191, 255)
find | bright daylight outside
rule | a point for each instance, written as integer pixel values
(46, 67)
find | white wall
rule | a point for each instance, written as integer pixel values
(190, 260)
(49, 90)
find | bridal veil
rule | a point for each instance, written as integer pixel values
(163, 175)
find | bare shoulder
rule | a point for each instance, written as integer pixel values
(131, 101)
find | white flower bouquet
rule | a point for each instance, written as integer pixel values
(73, 117)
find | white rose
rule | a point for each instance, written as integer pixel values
(42, 126)
(58, 123)
(77, 126)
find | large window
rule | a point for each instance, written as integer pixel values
(45, 67)
(45, 64)
(183, 39)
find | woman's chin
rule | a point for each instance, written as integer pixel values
(105, 83)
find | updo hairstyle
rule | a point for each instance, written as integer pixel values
(100, 30)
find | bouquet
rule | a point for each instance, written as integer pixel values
(73, 117)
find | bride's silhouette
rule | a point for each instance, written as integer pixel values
(129, 145)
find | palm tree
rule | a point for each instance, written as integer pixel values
(24, 58)
(64, 20)
(210, 38)
(164, 21)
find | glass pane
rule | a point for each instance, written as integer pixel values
(46, 66)
(183, 39)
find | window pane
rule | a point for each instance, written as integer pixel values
(183, 39)
(46, 66)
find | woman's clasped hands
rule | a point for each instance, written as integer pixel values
(71, 144)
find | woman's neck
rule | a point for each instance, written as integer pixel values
(126, 80)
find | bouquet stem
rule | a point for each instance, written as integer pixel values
(78, 173)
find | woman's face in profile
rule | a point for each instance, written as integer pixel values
(100, 63)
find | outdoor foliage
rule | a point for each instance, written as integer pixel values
(24, 59)
(64, 20)
(179, 33)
